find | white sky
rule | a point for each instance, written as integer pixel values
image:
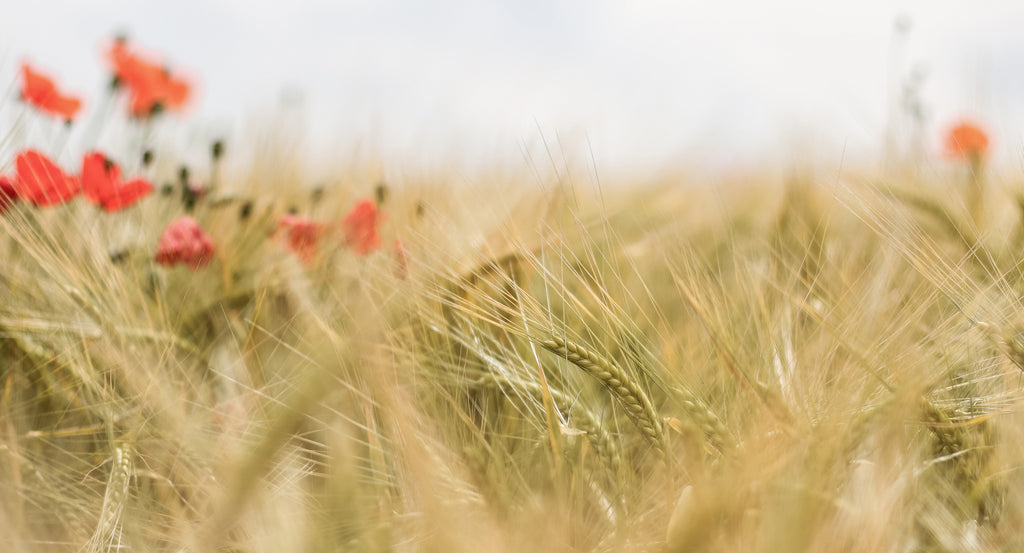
(640, 83)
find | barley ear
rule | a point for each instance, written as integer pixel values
(624, 390)
(114, 500)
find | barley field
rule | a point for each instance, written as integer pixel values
(215, 360)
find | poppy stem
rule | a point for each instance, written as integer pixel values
(216, 154)
(94, 127)
(61, 140)
(975, 188)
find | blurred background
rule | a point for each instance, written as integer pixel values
(625, 86)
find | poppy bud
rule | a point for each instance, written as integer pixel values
(217, 150)
(118, 256)
(190, 194)
(317, 194)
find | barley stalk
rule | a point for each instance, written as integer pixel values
(626, 392)
(11, 326)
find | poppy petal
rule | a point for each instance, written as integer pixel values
(966, 141)
(41, 181)
(8, 193)
(127, 194)
(102, 185)
(99, 177)
(150, 84)
(302, 236)
(184, 241)
(40, 91)
(360, 226)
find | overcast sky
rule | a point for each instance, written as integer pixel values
(638, 82)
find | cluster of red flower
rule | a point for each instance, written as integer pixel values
(360, 228)
(151, 86)
(41, 182)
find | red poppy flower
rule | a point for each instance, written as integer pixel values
(151, 85)
(40, 91)
(183, 241)
(41, 181)
(102, 184)
(302, 236)
(360, 226)
(163, 92)
(966, 141)
(8, 193)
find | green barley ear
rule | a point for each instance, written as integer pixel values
(714, 430)
(627, 392)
